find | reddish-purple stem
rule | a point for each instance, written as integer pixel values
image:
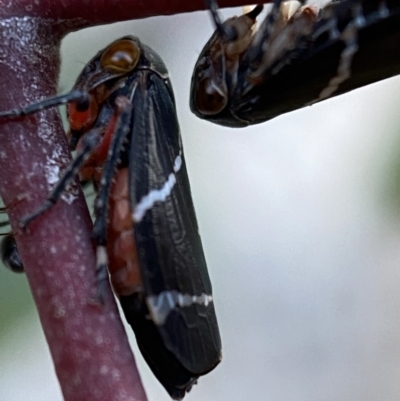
(91, 354)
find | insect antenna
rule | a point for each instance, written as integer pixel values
(256, 51)
(82, 98)
(4, 223)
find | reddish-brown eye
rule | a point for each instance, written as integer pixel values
(121, 56)
(209, 100)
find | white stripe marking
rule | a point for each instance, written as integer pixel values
(101, 256)
(349, 37)
(178, 163)
(157, 195)
(161, 305)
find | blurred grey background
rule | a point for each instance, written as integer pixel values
(301, 227)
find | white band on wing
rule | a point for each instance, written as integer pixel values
(157, 195)
(161, 305)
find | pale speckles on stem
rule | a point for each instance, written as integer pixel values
(104, 370)
(23, 48)
(46, 129)
(59, 312)
(32, 44)
(54, 167)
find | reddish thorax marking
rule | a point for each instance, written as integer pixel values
(82, 120)
(121, 249)
(93, 166)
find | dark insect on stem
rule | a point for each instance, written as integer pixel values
(299, 56)
(8, 248)
(124, 126)
(9, 254)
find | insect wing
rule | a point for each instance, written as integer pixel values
(176, 284)
(321, 67)
(378, 45)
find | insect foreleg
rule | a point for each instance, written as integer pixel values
(4, 223)
(228, 33)
(268, 24)
(90, 141)
(82, 98)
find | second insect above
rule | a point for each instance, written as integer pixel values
(299, 56)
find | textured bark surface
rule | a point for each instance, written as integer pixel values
(92, 357)
(91, 354)
(94, 12)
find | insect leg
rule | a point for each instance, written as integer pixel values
(8, 249)
(266, 30)
(82, 98)
(267, 26)
(90, 141)
(228, 33)
(4, 223)
(124, 108)
(350, 38)
(9, 254)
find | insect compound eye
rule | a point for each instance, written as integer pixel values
(209, 98)
(121, 56)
